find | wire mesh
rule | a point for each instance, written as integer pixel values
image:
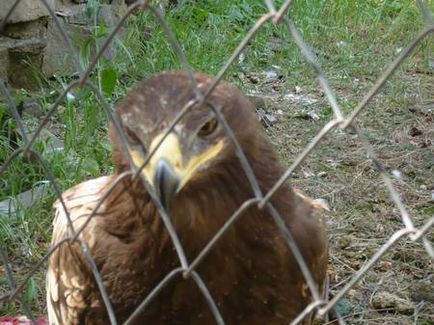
(262, 200)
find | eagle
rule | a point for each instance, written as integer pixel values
(197, 177)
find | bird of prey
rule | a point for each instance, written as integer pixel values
(250, 272)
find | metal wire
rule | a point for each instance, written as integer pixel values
(187, 269)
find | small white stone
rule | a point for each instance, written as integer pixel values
(241, 57)
(341, 44)
(397, 174)
(70, 97)
(270, 75)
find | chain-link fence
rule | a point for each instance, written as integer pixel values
(262, 200)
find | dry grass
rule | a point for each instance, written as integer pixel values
(364, 217)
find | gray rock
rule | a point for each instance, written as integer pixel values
(18, 58)
(32, 39)
(25, 199)
(27, 10)
(423, 291)
(23, 58)
(77, 23)
(272, 76)
(4, 58)
(28, 29)
(387, 300)
(52, 143)
(270, 119)
(58, 58)
(31, 108)
(266, 118)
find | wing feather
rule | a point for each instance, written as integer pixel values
(69, 280)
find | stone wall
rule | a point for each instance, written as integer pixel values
(31, 43)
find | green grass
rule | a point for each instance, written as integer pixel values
(352, 39)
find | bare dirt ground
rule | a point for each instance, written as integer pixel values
(399, 289)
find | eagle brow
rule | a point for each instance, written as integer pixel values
(135, 139)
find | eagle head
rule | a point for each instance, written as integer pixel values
(189, 152)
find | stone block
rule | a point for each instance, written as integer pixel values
(27, 29)
(27, 10)
(58, 59)
(5, 44)
(31, 39)
(25, 59)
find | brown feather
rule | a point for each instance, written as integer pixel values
(250, 272)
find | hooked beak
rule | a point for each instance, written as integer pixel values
(163, 170)
(169, 168)
(165, 182)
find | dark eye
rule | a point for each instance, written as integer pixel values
(208, 128)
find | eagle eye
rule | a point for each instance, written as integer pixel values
(208, 128)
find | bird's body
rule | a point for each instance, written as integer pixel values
(250, 272)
